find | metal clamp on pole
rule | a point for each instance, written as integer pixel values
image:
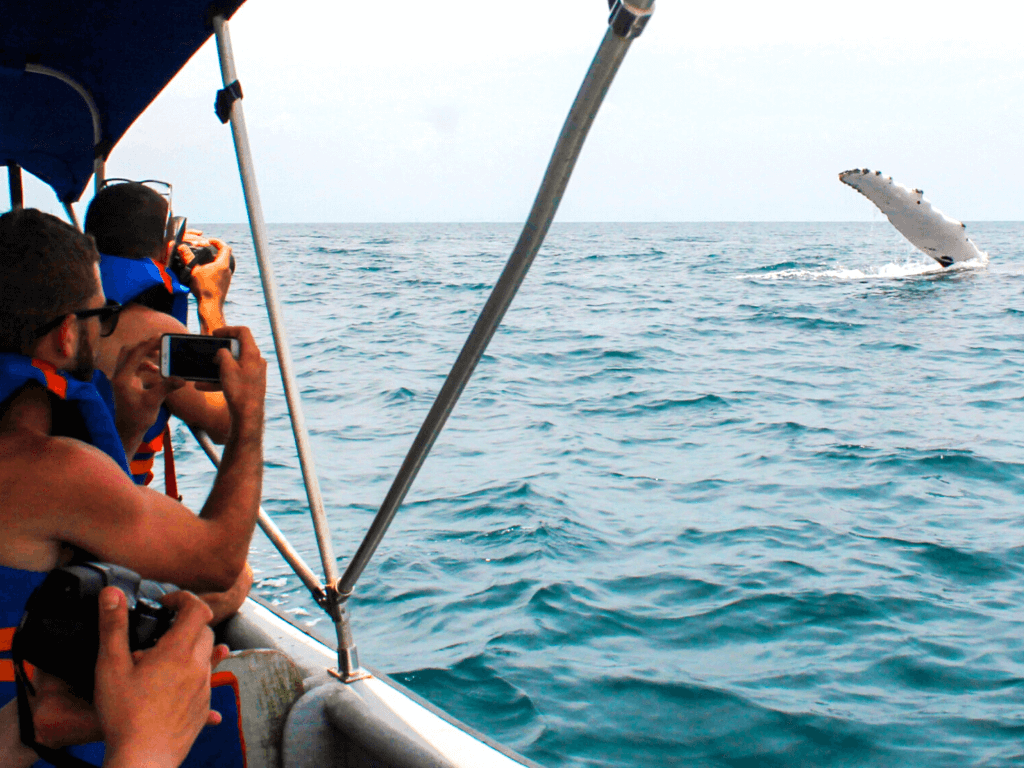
(227, 96)
(627, 20)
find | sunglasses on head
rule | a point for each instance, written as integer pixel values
(107, 316)
(163, 189)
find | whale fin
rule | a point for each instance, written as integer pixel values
(927, 228)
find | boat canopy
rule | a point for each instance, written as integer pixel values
(74, 76)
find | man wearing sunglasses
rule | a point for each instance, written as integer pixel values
(129, 221)
(64, 483)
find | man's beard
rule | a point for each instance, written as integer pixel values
(85, 361)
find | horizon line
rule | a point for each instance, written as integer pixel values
(657, 221)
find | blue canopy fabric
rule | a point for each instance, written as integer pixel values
(123, 52)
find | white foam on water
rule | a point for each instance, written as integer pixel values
(890, 271)
(276, 583)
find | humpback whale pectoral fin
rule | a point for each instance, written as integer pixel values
(926, 227)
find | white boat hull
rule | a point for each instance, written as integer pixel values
(370, 722)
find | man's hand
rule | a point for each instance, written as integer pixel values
(152, 708)
(210, 282)
(139, 391)
(137, 689)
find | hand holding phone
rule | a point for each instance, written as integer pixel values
(194, 358)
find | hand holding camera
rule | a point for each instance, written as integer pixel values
(205, 267)
(191, 252)
(151, 709)
(59, 631)
(239, 370)
(194, 358)
(149, 704)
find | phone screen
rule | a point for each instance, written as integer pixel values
(194, 357)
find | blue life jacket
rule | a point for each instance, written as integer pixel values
(17, 586)
(97, 412)
(124, 280)
(222, 745)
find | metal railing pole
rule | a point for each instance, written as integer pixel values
(625, 23)
(99, 163)
(14, 187)
(291, 390)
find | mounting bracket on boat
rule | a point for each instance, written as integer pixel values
(227, 96)
(627, 20)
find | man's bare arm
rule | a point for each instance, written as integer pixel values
(226, 604)
(131, 525)
(204, 410)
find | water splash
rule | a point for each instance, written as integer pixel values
(890, 271)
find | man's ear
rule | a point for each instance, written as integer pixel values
(67, 336)
(60, 345)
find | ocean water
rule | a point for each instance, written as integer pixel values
(717, 495)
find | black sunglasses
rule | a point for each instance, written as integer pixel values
(107, 315)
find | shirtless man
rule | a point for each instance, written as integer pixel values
(61, 484)
(128, 221)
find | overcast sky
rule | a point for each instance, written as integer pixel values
(741, 111)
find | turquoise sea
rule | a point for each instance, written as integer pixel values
(718, 495)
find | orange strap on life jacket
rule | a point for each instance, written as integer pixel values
(6, 665)
(144, 466)
(170, 477)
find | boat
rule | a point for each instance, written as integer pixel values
(73, 79)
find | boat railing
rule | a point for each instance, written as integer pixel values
(626, 21)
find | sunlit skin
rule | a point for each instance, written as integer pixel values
(210, 282)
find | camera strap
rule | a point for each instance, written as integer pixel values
(61, 758)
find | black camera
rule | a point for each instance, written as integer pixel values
(59, 632)
(204, 254)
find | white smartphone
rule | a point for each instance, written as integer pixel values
(193, 357)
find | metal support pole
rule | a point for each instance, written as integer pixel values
(14, 185)
(284, 360)
(269, 527)
(99, 174)
(625, 23)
